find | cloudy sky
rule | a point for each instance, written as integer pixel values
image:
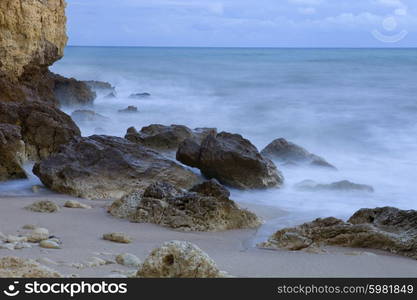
(243, 23)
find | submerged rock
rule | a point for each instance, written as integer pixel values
(161, 137)
(85, 115)
(129, 109)
(232, 160)
(179, 259)
(291, 154)
(385, 228)
(14, 267)
(44, 206)
(103, 167)
(139, 95)
(343, 186)
(100, 86)
(206, 207)
(12, 153)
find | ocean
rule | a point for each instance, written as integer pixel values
(357, 108)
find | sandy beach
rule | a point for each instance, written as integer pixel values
(234, 251)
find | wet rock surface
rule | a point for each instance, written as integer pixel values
(232, 160)
(384, 228)
(104, 167)
(206, 207)
(291, 154)
(179, 259)
(342, 186)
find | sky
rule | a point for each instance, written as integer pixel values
(243, 23)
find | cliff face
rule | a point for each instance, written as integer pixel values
(32, 35)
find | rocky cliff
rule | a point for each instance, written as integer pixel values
(32, 37)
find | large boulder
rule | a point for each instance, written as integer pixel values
(206, 207)
(291, 154)
(166, 138)
(12, 152)
(44, 128)
(102, 167)
(179, 259)
(340, 186)
(385, 228)
(232, 160)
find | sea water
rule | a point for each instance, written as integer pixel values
(357, 108)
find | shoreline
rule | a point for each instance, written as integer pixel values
(81, 229)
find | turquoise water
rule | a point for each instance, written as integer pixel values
(355, 107)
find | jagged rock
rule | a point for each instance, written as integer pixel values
(72, 92)
(12, 153)
(232, 160)
(14, 267)
(291, 154)
(139, 95)
(76, 204)
(117, 237)
(128, 260)
(129, 109)
(43, 128)
(179, 259)
(86, 115)
(206, 207)
(102, 167)
(310, 185)
(385, 228)
(161, 137)
(44, 206)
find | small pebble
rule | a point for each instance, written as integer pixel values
(49, 244)
(76, 204)
(128, 260)
(117, 237)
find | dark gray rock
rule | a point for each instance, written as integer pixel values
(102, 167)
(291, 154)
(232, 160)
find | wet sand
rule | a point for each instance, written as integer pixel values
(234, 251)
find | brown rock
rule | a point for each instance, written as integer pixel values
(43, 128)
(179, 259)
(385, 228)
(117, 237)
(44, 206)
(12, 152)
(71, 92)
(206, 207)
(14, 267)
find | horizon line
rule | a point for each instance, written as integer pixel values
(247, 47)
